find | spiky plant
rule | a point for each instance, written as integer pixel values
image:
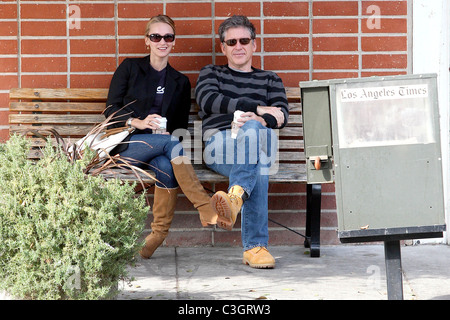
(66, 232)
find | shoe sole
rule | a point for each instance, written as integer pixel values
(258, 266)
(223, 210)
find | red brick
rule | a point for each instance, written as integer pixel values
(384, 43)
(44, 64)
(8, 65)
(387, 25)
(8, 11)
(187, 63)
(333, 75)
(335, 44)
(193, 27)
(44, 81)
(4, 100)
(43, 28)
(384, 61)
(280, 44)
(335, 8)
(284, 187)
(200, 45)
(132, 46)
(335, 26)
(285, 9)
(8, 28)
(390, 8)
(132, 28)
(335, 62)
(226, 9)
(4, 135)
(188, 10)
(44, 46)
(8, 81)
(286, 26)
(94, 10)
(89, 64)
(90, 81)
(291, 79)
(41, 10)
(381, 73)
(4, 117)
(8, 47)
(94, 28)
(286, 62)
(139, 10)
(93, 46)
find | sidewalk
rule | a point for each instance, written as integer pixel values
(342, 272)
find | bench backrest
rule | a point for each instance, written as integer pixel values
(73, 112)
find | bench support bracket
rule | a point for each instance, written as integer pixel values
(393, 261)
(313, 202)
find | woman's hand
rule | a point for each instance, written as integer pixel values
(150, 122)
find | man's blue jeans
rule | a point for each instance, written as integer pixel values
(155, 153)
(246, 161)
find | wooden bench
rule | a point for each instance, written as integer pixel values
(73, 112)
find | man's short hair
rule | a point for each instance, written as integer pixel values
(235, 22)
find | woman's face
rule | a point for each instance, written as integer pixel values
(162, 48)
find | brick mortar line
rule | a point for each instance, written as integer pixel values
(208, 36)
(208, 18)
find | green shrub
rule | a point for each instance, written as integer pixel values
(63, 234)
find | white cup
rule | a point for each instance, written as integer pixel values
(234, 125)
(162, 125)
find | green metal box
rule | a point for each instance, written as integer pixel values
(385, 155)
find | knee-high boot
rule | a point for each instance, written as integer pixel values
(193, 189)
(163, 210)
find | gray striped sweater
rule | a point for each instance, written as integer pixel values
(220, 91)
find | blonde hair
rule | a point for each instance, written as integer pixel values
(160, 18)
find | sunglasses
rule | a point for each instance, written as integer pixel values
(233, 42)
(154, 37)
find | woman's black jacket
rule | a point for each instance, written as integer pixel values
(132, 81)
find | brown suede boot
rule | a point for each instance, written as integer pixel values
(228, 205)
(193, 189)
(259, 257)
(163, 211)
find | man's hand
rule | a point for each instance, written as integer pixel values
(246, 116)
(274, 111)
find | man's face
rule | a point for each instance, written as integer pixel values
(239, 56)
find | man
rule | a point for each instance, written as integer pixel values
(220, 91)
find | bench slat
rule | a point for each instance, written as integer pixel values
(57, 119)
(59, 94)
(63, 130)
(84, 107)
(287, 173)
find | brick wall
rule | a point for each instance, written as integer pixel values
(62, 43)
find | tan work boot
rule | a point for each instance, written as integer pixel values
(163, 211)
(259, 257)
(193, 189)
(228, 205)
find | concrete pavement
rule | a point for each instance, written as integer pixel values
(343, 272)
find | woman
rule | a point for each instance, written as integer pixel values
(158, 91)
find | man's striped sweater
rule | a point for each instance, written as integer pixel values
(220, 91)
